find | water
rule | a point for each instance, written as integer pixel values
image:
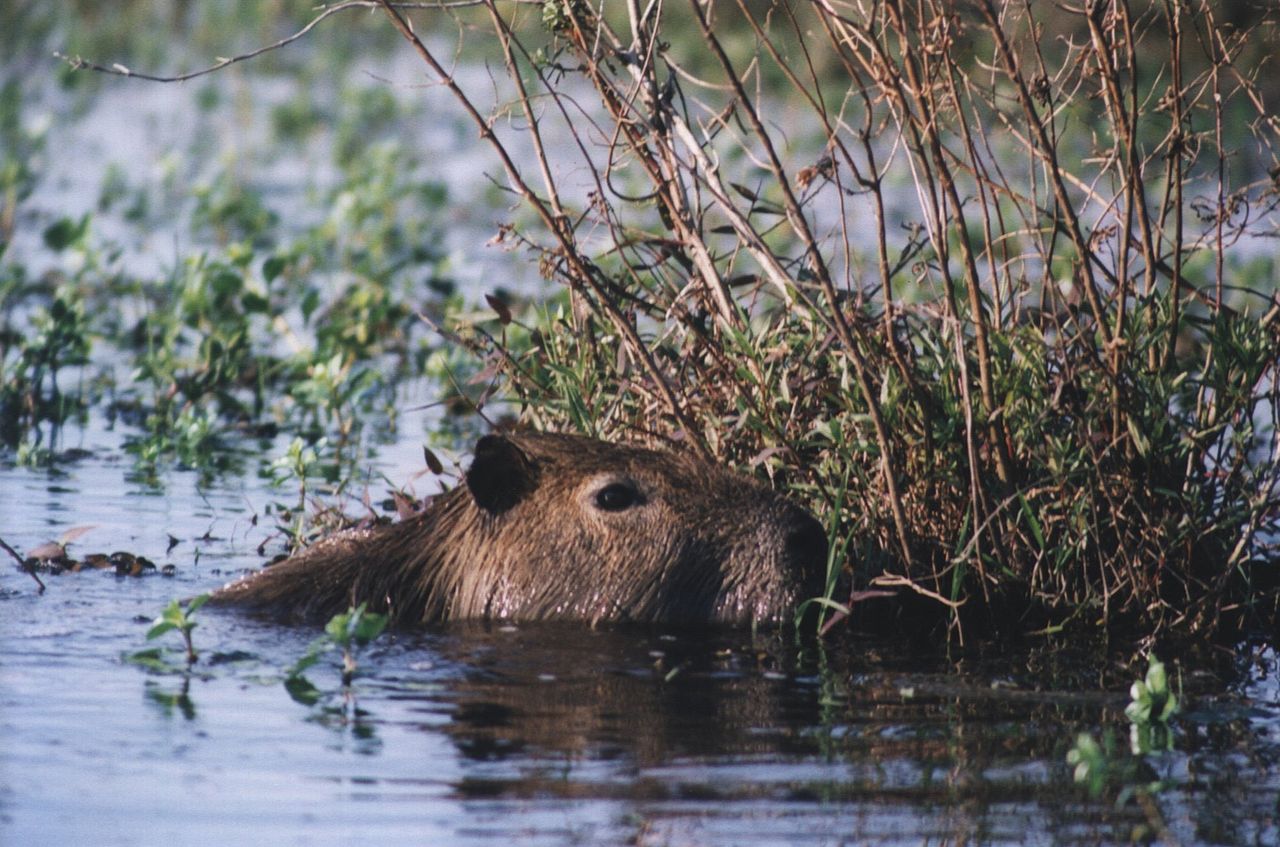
(551, 735)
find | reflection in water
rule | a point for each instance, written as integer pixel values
(170, 701)
(733, 740)
(579, 693)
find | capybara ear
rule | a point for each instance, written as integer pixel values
(501, 475)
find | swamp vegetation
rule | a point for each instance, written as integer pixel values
(992, 287)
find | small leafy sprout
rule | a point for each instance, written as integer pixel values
(1091, 763)
(1152, 699)
(1097, 764)
(351, 630)
(1152, 706)
(348, 631)
(174, 617)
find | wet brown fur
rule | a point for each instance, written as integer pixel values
(530, 536)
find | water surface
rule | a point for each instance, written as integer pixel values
(550, 735)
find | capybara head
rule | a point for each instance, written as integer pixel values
(560, 527)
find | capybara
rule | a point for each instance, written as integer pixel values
(561, 527)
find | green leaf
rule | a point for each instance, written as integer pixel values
(152, 659)
(252, 301)
(1036, 531)
(301, 690)
(339, 626)
(197, 602)
(160, 627)
(369, 627)
(226, 282)
(1157, 679)
(273, 267)
(1140, 441)
(64, 232)
(304, 663)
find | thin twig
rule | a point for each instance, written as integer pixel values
(116, 69)
(23, 564)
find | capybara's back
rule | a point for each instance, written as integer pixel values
(560, 527)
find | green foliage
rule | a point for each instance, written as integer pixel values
(1101, 767)
(349, 632)
(355, 628)
(1091, 762)
(1152, 699)
(175, 618)
(302, 328)
(1153, 705)
(34, 405)
(300, 464)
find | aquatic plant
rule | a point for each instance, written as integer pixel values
(977, 294)
(349, 632)
(176, 618)
(264, 326)
(34, 406)
(1152, 706)
(1102, 768)
(1091, 762)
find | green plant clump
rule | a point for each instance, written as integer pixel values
(989, 289)
(176, 619)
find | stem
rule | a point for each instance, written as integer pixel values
(582, 273)
(348, 667)
(29, 570)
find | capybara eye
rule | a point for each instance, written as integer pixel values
(617, 496)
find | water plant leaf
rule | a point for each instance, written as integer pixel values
(301, 690)
(1089, 763)
(338, 627)
(159, 628)
(1151, 701)
(64, 232)
(273, 267)
(368, 627)
(151, 659)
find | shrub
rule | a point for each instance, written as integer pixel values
(967, 276)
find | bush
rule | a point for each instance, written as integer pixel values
(967, 278)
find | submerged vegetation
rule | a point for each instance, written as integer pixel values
(991, 286)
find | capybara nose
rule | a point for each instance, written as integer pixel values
(806, 540)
